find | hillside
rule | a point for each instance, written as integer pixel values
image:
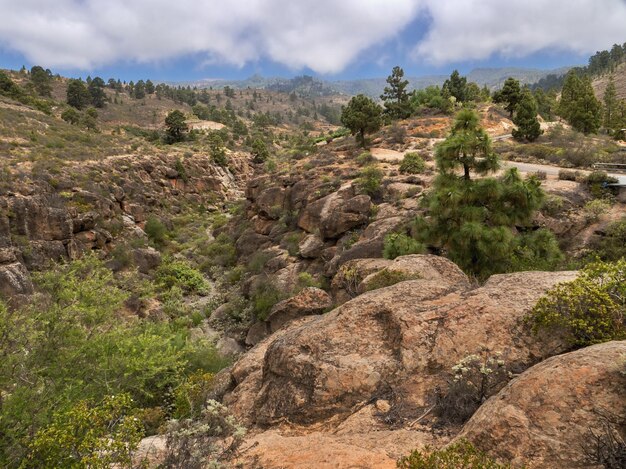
(264, 292)
(619, 78)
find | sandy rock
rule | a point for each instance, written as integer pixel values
(405, 337)
(15, 280)
(308, 302)
(229, 347)
(270, 202)
(311, 246)
(542, 419)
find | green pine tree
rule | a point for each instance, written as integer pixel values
(361, 116)
(611, 116)
(510, 95)
(395, 97)
(525, 119)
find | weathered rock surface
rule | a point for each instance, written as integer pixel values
(402, 338)
(542, 419)
(336, 213)
(309, 301)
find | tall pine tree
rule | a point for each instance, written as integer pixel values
(395, 97)
(525, 119)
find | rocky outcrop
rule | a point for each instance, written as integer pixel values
(403, 338)
(544, 418)
(336, 213)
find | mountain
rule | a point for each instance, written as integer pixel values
(307, 86)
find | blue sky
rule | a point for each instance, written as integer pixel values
(195, 39)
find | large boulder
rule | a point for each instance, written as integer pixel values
(404, 338)
(309, 301)
(14, 280)
(545, 418)
(336, 213)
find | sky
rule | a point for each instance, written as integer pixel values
(177, 40)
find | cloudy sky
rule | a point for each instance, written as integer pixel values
(191, 39)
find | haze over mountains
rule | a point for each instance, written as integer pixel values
(493, 78)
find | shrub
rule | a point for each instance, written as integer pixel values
(597, 183)
(191, 444)
(386, 278)
(177, 273)
(306, 280)
(190, 396)
(412, 163)
(155, 230)
(553, 205)
(220, 252)
(365, 158)
(588, 310)
(474, 380)
(594, 208)
(400, 244)
(567, 175)
(459, 455)
(612, 246)
(369, 181)
(536, 250)
(87, 435)
(264, 297)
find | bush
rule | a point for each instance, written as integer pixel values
(190, 396)
(365, 158)
(597, 183)
(588, 310)
(553, 205)
(220, 252)
(264, 297)
(460, 455)
(536, 250)
(155, 230)
(386, 278)
(612, 246)
(87, 435)
(369, 181)
(594, 208)
(400, 244)
(567, 175)
(412, 163)
(191, 444)
(180, 274)
(474, 380)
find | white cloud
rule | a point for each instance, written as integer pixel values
(324, 35)
(476, 29)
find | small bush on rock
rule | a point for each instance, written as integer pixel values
(474, 379)
(156, 231)
(412, 163)
(400, 244)
(370, 180)
(386, 278)
(460, 455)
(588, 310)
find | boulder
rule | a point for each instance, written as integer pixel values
(544, 418)
(146, 259)
(308, 302)
(270, 202)
(336, 213)
(311, 247)
(15, 280)
(404, 338)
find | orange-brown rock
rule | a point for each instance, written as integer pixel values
(543, 418)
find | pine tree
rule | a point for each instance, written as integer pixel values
(77, 94)
(525, 119)
(96, 92)
(361, 116)
(579, 105)
(473, 221)
(468, 147)
(510, 94)
(610, 106)
(175, 126)
(41, 79)
(395, 97)
(455, 86)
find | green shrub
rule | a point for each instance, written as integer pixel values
(220, 252)
(612, 246)
(306, 280)
(264, 297)
(370, 180)
(257, 261)
(88, 435)
(178, 273)
(597, 183)
(460, 455)
(156, 230)
(190, 396)
(594, 208)
(386, 278)
(412, 163)
(553, 205)
(365, 158)
(400, 244)
(536, 250)
(588, 310)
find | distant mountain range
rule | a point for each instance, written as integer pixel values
(308, 86)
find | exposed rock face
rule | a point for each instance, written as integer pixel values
(542, 419)
(402, 338)
(336, 213)
(14, 280)
(309, 301)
